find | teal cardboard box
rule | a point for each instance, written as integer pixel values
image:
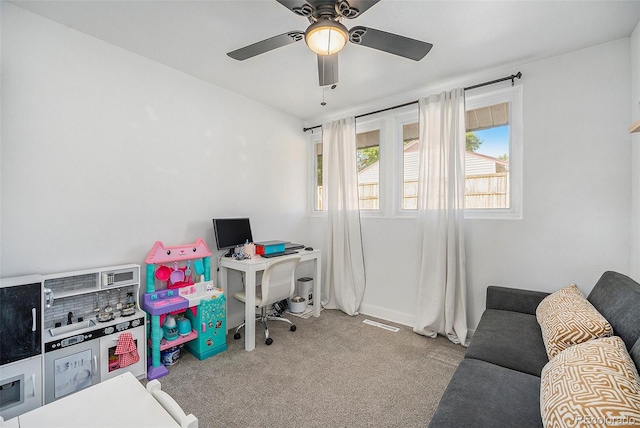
(269, 247)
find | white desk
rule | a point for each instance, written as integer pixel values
(119, 402)
(251, 267)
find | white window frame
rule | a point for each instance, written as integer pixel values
(363, 126)
(513, 96)
(411, 116)
(316, 137)
(391, 156)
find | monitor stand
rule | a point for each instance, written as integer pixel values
(230, 252)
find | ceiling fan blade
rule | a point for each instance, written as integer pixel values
(328, 69)
(267, 45)
(354, 8)
(388, 42)
(299, 7)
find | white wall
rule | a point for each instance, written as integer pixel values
(635, 157)
(104, 152)
(577, 180)
(577, 188)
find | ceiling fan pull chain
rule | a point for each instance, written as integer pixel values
(323, 87)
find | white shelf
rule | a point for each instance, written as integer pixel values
(94, 286)
(87, 290)
(78, 292)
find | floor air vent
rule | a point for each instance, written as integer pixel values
(384, 326)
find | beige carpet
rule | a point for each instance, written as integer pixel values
(334, 371)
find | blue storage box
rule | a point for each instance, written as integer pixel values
(269, 247)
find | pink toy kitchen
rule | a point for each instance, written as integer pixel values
(183, 305)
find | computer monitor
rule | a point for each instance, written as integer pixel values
(231, 232)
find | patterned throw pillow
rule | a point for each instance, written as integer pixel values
(566, 318)
(593, 384)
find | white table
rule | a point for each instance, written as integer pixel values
(251, 267)
(120, 402)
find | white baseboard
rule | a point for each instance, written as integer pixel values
(387, 315)
(396, 317)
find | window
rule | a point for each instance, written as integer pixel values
(493, 161)
(368, 167)
(487, 157)
(410, 146)
(492, 147)
(388, 184)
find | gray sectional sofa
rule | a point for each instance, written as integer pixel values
(498, 382)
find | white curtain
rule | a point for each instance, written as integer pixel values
(442, 280)
(345, 278)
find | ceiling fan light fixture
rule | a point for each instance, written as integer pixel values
(326, 37)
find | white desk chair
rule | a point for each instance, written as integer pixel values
(278, 283)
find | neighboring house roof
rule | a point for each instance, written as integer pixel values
(475, 164)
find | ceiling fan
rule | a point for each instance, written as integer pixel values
(326, 35)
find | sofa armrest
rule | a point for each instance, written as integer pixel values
(514, 299)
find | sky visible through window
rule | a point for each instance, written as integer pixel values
(495, 141)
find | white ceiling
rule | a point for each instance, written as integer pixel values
(468, 36)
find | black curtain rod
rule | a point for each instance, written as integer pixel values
(518, 75)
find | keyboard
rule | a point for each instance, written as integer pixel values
(292, 246)
(282, 253)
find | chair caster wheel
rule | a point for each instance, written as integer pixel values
(292, 328)
(237, 336)
(269, 341)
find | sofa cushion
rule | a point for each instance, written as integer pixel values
(566, 318)
(617, 298)
(514, 299)
(509, 339)
(482, 394)
(592, 383)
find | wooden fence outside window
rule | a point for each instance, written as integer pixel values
(485, 191)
